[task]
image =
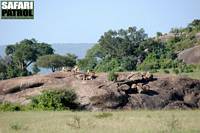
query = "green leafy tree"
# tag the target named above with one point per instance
(52, 62)
(195, 23)
(26, 52)
(70, 60)
(158, 34)
(56, 62)
(122, 43)
(3, 67)
(107, 65)
(93, 56)
(119, 50)
(87, 63)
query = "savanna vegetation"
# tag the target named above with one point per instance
(25, 57)
(122, 50)
(52, 99)
(117, 50)
(56, 62)
(140, 121)
(131, 49)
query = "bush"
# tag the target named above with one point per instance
(108, 65)
(55, 100)
(112, 76)
(6, 106)
(15, 126)
(176, 71)
(49, 100)
(103, 115)
(153, 71)
(166, 71)
(187, 68)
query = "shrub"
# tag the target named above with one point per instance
(112, 76)
(108, 65)
(187, 69)
(153, 71)
(15, 126)
(176, 71)
(55, 100)
(6, 106)
(166, 71)
(103, 115)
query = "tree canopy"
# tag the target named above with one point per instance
(20, 56)
(27, 51)
(56, 62)
(131, 49)
(120, 49)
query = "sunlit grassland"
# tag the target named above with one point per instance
(193, 75)
(141, 121)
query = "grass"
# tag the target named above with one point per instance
(144, 121)
(103, 115)
(193, 75)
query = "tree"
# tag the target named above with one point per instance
(158, 34)
(116, 50)
(10, 49)
(56, 62)
(26, 52)
(175, 30)
(3, 67)
(91, 59)
(122, 43)
(87, 63)
(51, 61)
(70, 60)
(195, 23)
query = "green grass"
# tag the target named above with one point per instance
(194, 75)
(143, 121)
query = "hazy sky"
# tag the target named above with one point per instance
(79, 21)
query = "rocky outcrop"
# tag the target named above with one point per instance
(130, 91)
(191, 55)
(166, 37)
(197, 36)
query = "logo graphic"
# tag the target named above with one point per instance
(17, 9)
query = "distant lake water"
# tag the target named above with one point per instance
(78, 49)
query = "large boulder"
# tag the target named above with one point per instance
(198, 36)
(143, 92)
(191, 55)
